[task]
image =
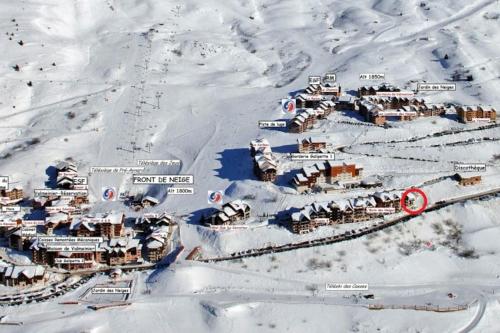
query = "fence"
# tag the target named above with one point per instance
(433, 308)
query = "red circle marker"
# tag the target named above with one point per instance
(403, 199)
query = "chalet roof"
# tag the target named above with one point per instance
(363, 202)
(29, 271)
(330, 85)
(300, 177)
(309, 170)
(476, 107)
(151, 199)
(121, 244)
(41, 200)
(17, 231)
(382, 86)
(161, 232)
(300, 118)
(385, 196)
(261, 146)
(321, 206)
(307, 211)
(228, 211)
(62, 201)
(435, 105)
(91, 220)
(312, 139)
(65, 179)
(222, 216)
(64, 165)
(320, 166)
(346, 99)
(154, 220)
(369, 105)
(342, 204)
(155, 243)
(312, 97)
(266, 162)
(297, 216)
(11, 216)
(56, 218)
(237, 205)
(259, 142)
(309, 112)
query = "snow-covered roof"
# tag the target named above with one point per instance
(363, 202)
(342, 204)
(56, 218)
(90, 221)
(259, 143)
(154, 220)
(29, 271)
(223, 216)
(64, 165)
(150, 199)
(154, 244)
(321, 206)
(120, 244)
(300, 177)
(385, 196)
(346, 99)
(238, 205)
(228, 211)
(312, 139)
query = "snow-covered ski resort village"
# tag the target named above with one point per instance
(249, 166)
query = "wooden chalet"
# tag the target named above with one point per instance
(149, 222)
(65, 182)
(314, 95)
(14, 194)
(10, 221)
(369, 111)
(230, 213)
(55, 221)
(158, 244)
(478, 113)
(311, 145)
(260, 146)
(149, 201)
(326, 173)
(17, 240)
(108, 225)
(359, 206)
(122, 251)
(345, 102)
(22, 275)
(467, 181)
(66, 167)
(325, 109)
(372, 90)
(41, 254)
(265, 164)
(395, 102)
(327, 89)
(346, 211)
(303, 121)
